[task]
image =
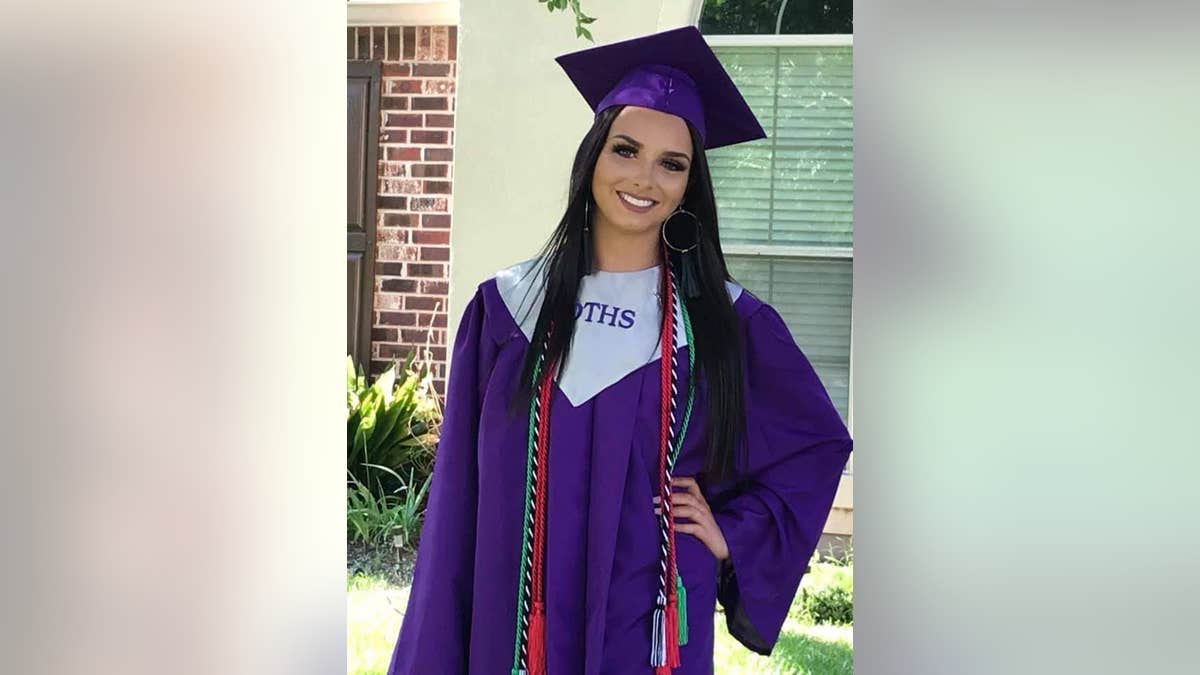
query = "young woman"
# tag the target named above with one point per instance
(630, 437)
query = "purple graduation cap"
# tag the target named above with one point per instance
(675, 72)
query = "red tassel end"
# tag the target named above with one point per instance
(537, 640)
(672, 634)
(662, 670)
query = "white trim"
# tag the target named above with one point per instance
(402, 13)
(776, 251)
(831, 40)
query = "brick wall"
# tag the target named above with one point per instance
(416, 173)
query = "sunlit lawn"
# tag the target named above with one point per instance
(373, 617)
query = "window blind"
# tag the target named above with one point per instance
(795, 187)
(813, 297)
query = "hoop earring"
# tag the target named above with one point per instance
(689, 262)
(695, 240)
(586, 255)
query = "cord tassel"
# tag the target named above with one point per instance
(537, 640)
(681, 594)
(672, 634)
(658, 652)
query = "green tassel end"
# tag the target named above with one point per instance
(681, 600)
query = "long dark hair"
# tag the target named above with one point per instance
(714, 324)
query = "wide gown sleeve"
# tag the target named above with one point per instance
(796, 448)
(434, 637)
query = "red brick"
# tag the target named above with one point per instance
(384, 334)
(397, 70)
(430, 103)
(424, 302)
(405, 186)
(393, 102)
(404, 154)
(407, 86)
(424, 52)
(402, 120)
(391, 202)
(398, 352)
(431, 237)
(435, 220)
(431, 70)
(415, 336)
(391, 269)
(391, 235)
(391, 91)
(452, 44)
(398, 285)
(393, 46)
(438, 43)
(437, 187)
(400, 220)
(433, 288)
(444, 121)
(377, 44)
(439, 320)
(428, 204)
(439, 154)
(422, 136)
(409, 42)
(392, 169)
(438, 87)
(430, 170)
(398, 318)
(421, 270)
(435, 253)
(393, 136)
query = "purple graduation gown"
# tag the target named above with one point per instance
(602, 534)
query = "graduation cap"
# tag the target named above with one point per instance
(675, 72)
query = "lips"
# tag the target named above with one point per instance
(636, 204)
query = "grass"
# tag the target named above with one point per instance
(374, 604)
(373, 613)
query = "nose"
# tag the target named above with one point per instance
(643, 177)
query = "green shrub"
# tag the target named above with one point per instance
(826, 595)
(391, 427)
(378, 521)
(830, 604)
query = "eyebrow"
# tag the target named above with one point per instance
(635, 143)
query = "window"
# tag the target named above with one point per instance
(786, 203)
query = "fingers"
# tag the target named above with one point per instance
(688, 483)
(685, 511)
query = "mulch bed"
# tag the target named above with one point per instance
(395, 565)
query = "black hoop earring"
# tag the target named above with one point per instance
(687, 258)
(695, 239)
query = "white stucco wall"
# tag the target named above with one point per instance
(518, 121)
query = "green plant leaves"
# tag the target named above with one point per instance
(391, 435)
(581, 19)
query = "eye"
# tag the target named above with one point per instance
(674, 166)
(622, 149)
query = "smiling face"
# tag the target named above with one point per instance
(642, 172)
